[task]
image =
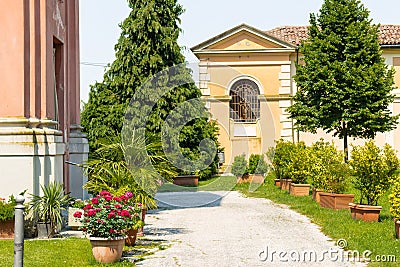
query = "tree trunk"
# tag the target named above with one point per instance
(345, 145)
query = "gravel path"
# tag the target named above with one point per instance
(235, 231)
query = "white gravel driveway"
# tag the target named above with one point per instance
(236, 231)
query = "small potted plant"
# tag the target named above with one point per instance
(7, 218)
(394, 199)
(373, 169)
(257, 168)
(48, 209)
(239, 167)
(330, 176)
(298, 170)
(76, 205)
(106, 219)
(280, 158)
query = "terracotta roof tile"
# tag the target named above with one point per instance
(389, 34)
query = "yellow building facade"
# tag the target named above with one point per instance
(246, 79)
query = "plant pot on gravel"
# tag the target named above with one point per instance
(374, 170)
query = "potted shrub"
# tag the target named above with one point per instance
(106, 219)
(239, 167)
(330, 176)
(298, 170)
(7, 218)
(280, 158)
(48, 208)
(257, 168)
(373, 169)
(119, 168)
(394, 199)
(76, 205)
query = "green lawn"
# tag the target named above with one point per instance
(378, 237)
(71, 252)
(218, 183)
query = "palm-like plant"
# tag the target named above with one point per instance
(139, 167)
(48, 206)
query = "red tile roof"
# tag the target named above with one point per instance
(389, 34)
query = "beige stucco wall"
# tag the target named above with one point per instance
(273, 71)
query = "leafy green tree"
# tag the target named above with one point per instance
(344, 86)
(146, 46)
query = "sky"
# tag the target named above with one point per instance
(202, 20)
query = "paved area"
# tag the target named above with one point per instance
(235, 231)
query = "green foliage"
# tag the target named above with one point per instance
(77, 203)
(394, 199)
(329, 172)
(7, 209)
(239, 165)
(280, 157)
(299, 165)
(374, 170)
(110, 216)
(48, 206)
(344, 84)
(109, 169)
(257, 164)
(147, 45)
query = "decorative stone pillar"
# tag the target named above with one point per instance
(285, 102)
(78, 154)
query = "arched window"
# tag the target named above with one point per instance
(244, 103)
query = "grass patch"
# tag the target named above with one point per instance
(378, 237)
(73, 252)
(217, 183)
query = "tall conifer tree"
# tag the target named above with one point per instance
(147, 45)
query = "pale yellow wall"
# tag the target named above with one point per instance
(244, 41)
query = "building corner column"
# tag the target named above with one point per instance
(78, 154)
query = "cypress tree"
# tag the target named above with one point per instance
(147, 45)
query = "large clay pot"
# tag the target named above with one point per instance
(315, 194)
(335, 201)
(186, 180)
(107, 250)
(131, 237)
(366, 213)
(299, 189)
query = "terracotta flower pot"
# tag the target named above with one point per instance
(397, 228)
(141, 229)
(299, 189)
(7, 229)
(131, 237)
(335, 201)
(74, 223)
(190, 180)
(285, 184)
(107, 250)
(366, 213)
(277, 182)
(315, 194)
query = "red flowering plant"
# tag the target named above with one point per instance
(110, 216)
